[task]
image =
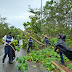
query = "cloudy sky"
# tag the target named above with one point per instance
(16, 11)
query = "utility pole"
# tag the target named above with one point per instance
(41, 16)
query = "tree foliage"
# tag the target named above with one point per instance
(57, 18)
(5, 29)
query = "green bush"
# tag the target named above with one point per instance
(22, 65)
(1, 41)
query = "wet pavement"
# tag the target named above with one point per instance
(6, 67)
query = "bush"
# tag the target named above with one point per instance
(1, 41)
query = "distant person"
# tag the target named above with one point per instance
(7, 39)
(30, 44)
(62, 48)
(46, 41)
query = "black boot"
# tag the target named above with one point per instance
(4, 58)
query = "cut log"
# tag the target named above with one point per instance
(61, 67)
(57, 66)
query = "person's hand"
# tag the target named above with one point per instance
(57, 50)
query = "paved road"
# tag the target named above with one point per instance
(6, 67)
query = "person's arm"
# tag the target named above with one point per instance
(56, 44)
(3, 41)
(59, 42)
(57, 50)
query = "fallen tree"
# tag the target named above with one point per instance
(32, 37)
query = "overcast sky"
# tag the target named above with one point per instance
(16, 11)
